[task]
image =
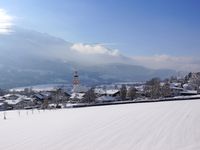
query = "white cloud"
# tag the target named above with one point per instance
(179, 63)
(93, 49)
(170, 62)
(5, 22)
(90, 54)
(103, 54)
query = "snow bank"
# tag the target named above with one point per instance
(147, 126)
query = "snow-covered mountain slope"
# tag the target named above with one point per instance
(148, 126)
(30, 58)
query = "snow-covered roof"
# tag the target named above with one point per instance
(52, 105)
(46, 94)
(15, 98)
(99, 91)
(19, 99)
(162, 83)
(174, 84)
(140, 88)
(39, 96)
(13, 102)
(185, 85)
(27, 99)
(177, 88)
(77, 95)
(12, 96)
(112, 91)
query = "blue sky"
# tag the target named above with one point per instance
(135, 27)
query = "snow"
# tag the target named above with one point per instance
(105, 99)
(77, 96)
(177, 88)
(13, 102)
(146, 126)
(99, 91)
(13, 99)
(189, 92)
(39, 96)
(175, 84)
(187, 97)
(111, 91)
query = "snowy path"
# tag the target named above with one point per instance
(148, 126)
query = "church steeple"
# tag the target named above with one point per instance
(76, 80)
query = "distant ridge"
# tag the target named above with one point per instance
(30, 58)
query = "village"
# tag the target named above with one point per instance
(80, 95)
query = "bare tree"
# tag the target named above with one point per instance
(173, 79)
(132, 92)
(165, 90)
(58, 96)
(45, 103)
(123, 92)
(195, 80)
(90, 96)
(153, 87)
(2, 92)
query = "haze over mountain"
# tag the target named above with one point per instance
(125, 40)
(29, 57)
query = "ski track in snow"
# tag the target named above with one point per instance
(147, 126)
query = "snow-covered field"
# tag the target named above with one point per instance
(148, 126)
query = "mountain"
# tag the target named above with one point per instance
(28, 57)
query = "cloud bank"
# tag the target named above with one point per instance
(25, 43)
(93, 49)
(5, 22)
(179, 63)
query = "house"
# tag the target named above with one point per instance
(106, 95)
(38, 97)
(66, 94)
(113, 93)
(189, 86)
(42, 96)
(60, 94)
(99, 92)
(77, 96)
(176, 89)
(2, 106)
(11, 96)
(19, 102)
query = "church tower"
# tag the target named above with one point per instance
(76, 81)
(77, 88)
